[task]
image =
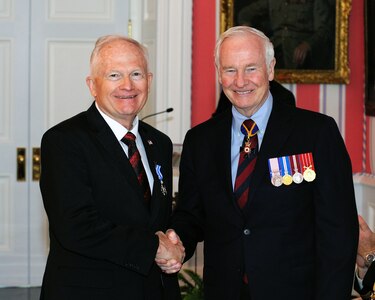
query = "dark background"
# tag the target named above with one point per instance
(370, 56)
(263, 25)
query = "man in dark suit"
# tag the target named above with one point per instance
(105, 223)
(289, 229)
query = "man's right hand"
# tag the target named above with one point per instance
(171, 252)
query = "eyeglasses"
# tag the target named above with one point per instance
(133, 76)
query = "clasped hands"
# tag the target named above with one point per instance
(171, 252)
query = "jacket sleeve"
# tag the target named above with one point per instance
(335, 213)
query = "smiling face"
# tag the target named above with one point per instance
(119, 81)
(243, 72)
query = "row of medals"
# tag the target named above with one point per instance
(287, 179)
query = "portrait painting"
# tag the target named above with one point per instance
(309, 36)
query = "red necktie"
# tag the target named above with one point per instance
(136, 162)
(246, 163)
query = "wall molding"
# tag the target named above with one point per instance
(173, 66)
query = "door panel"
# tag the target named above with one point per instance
(44, 60)
(14, 125)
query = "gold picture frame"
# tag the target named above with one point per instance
(338, 74)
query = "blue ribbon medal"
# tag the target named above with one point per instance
(160, 176)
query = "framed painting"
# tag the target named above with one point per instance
(370, 57)
(310, 37)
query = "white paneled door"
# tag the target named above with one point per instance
(14, 126)
(44, 52)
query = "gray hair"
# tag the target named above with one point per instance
(101, 42)
(245, 31)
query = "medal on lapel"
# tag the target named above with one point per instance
(308, 165)
(286, 170)
(297, 176)
(160, 176)
(293, 168)
(276, 178)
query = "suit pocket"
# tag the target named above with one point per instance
(84, 277)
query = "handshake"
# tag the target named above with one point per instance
(171, 253)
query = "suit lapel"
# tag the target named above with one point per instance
(152, 158)
(115, 154)
(221, 149)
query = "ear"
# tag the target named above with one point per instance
(91, 84)
(149, 80)
(218, 74)
(271, 70)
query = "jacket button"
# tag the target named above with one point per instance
(246, 231)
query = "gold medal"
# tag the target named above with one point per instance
(309, 175)
(285, 167)
(287, 179)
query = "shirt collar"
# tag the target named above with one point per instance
(118, 129)
(260, 117)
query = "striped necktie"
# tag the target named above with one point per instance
(136, 162)
(246, 163)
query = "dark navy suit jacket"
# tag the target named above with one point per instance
(294, 242)
(102, 235)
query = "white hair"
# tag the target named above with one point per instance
(245, 31)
